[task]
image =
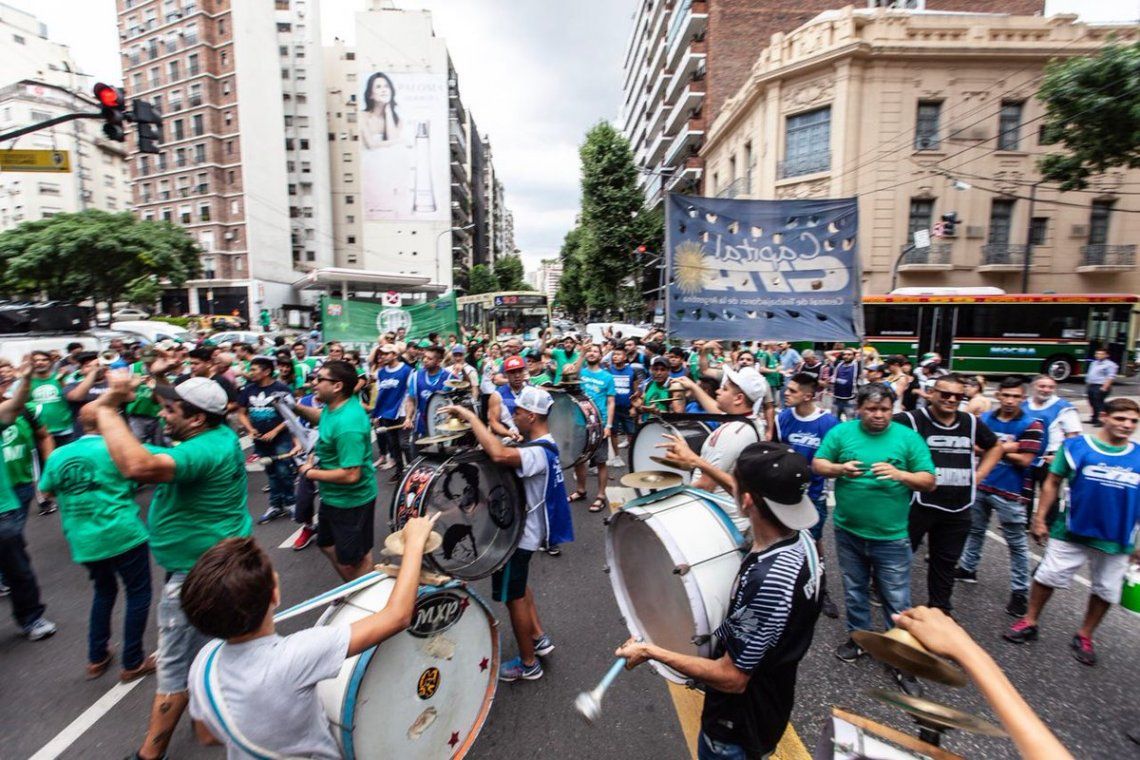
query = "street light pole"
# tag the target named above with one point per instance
(448, 231)
(1029, 240)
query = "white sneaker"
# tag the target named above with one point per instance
(40, 628)
(388, 464)
(615, 462)
(623, 443)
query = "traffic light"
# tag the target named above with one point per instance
(149, 123)
(114, 109)
(948, 222)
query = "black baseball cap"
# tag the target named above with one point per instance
(659, 361)
(781, 476)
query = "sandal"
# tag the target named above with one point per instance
(599, 504)
(577, 496)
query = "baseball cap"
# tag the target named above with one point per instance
(659, 361)
(512, 363)
(534, 400)
(533, 355)
(200, 392)
(781, 476)
(747, 380)
(876, 367)
(458, 349)
(387, 348)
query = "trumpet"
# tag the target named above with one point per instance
(108, 357)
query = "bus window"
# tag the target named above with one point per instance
(888, 319)
(1062, 321)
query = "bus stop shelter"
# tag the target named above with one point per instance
(362, 281)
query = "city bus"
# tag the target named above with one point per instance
(514, 313)
(1053, 334)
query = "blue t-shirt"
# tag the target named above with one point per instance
(598, 384)
(805, 434)
(623, 385)
(391, 388)
(258, 403)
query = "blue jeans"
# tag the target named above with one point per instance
(711, 749)
(25, 493)
(133, 566)
(16, 567)
(888, 562)
(280, 472)
(844, 408)
(1013, 517)
(821, 510)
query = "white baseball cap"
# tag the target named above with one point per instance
(748, 380)
(201, 392)
(534, 400)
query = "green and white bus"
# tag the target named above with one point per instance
(505, 314)
(1028, 334)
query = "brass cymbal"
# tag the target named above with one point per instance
(938, 715)
(667, 463)
(453, 425)
(394, 543)
(434, 439)
(651, 479)
(901, 650)
(457, 384)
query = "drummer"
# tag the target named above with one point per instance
(501, 403)
(548, 520)
(775, 601)
(459, 369)
(424, 382)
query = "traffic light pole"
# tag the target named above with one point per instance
(49, 123)
(898, 262)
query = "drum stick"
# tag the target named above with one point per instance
(332, 595)
(589, 703)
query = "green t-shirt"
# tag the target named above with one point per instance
(47, 404)
(311, 362)
(8, 500)
(561, 359)
(656, 397)
(145, 403)
(346, 441)
(542, 378)
(19, 443)
(97, 509)
(769, 361)
(874, 509)
(1061, 468)
(205, 502)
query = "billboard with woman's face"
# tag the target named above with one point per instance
(404, 147)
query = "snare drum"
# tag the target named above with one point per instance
(575, 426)
(653, 432)
(425, 692)
(439, 400)
(481, 505)
(672, 557)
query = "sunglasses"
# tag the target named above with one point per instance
(950, 395)
(320, 379)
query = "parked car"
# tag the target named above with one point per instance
(238, 336)
(129, 313)
(152, 330)
(15, 347)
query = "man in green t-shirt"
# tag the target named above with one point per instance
(200, 499)
(654, 396)
(46, 401)
(143, 412)
(567, 357)
(877, 465)
(101, 523)
(342, 464)
(536, 369)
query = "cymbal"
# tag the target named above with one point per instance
(938, 715)
(901, 650)
(457, 384)
(434, 439)
(667, 463)
(394, 543)
(651, 479)
(387, 428)
(453, 425)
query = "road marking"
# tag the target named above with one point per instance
(688, 704)
(1036, 557)
(85, 721)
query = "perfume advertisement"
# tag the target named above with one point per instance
(404, 154)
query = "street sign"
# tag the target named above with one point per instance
(922, 238)
(35, 161)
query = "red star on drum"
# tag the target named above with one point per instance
(454, 739)
(483, 665)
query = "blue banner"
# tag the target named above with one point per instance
(763, 270)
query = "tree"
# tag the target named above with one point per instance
(482, 280)
(571, 298)
(509, 273)
(1092, 106)
(98, 255)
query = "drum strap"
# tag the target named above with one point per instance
(212, 688)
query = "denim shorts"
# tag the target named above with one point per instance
(178, 641)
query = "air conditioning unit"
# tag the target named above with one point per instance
(228, 236)
(1079, 231)
(975, 233)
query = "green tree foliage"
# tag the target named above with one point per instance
(98, 255)
(482, 280)
(1092, 106)
(571, 298)
(509, 273)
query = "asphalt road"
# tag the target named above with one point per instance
(43, 692)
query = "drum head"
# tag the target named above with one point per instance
(481, 505)
(570, 428)
(425, 692)
(437, 401)
(645, 440)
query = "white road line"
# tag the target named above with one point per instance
(288, 543)
(1037, 558)
(80, 725)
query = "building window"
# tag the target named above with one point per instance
(184, 215)
(197, 124)
(347, 157)
(350, 199)
(926, 126)
(921, 217)
(1009, 124)
(310, 255)
(292, 189)
(208, 265)
(350, 219)
(200, 153)
(1001, 220)
(1099, 217)
(304, 144)
(19, 40)
(350, 56)
(228, 118)
(225, 87)
(179, 129)
(204, 212)
(283, 50)
(351, 239)
(1038, 230)
(349, 177)
(288, 143)
(283, 27)
(807, 143)
(306, 167)
(284, 73)
(224, 58)
(173, 69)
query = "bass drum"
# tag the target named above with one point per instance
(672, 557)
(439, 400)
(575, 426)
(481, 505)
(653, 432)
(425, 692)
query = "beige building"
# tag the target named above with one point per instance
(923, 113)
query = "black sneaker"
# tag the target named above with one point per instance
(966, 576)
(829, 609)
(553, 550)
(1018, 605)
(849, 651)
(908, 684)
(47, 507)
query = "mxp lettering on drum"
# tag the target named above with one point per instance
(435, 613)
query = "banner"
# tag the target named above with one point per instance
(360, 323)
(762, 270)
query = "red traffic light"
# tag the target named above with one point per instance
(641, 249)
(108, 96)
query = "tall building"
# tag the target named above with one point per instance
(684, 58)
(244, 165)
(547, 277)
(838, 108)
(27, 53)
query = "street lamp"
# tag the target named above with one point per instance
(448, 231)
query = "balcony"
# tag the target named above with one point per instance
(686, 104)
(459, 195)
(813, 163)
(1107, 258)
(687, 177)
(459, 171)
(657, 89)
(1002, 257)
(458, 141)
(689, 20)
(690, 69)
(657, 148)
(936, 258)
(741, 186)
(687, 141)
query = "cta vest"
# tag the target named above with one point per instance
(1104, 491)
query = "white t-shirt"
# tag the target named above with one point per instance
(269, 688)
(1067, 422)
(722, 448)
(533, 472)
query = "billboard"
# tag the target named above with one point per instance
(360, 323)
(404, 156)
(763, 270)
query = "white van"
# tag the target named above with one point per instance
(594, 330)
(152, 330)
(15, 347)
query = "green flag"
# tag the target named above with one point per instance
(360, 322)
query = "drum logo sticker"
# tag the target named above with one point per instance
(436, 613)
(412, 489)
(428, 683)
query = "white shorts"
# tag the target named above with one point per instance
(1063, 559)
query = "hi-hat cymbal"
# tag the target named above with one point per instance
(667, 463)
(901, 650)
(434, 439)
(453, 425)
(457, 384)
(938, 715)
(651, 479)
(394, 543)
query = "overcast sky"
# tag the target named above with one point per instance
(535, 74)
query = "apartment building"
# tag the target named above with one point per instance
(684, 58)
(546, 278)
(244, 165)
(918, 115)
